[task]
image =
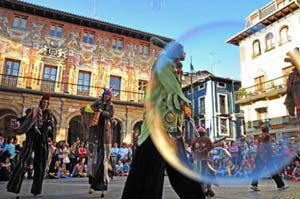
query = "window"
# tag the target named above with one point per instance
(202, 105)
(11, 73)
(144, 49)
(284, 35)
(223, 104)
(224, 126)
(221, 85)
(201, 87)
(20, 22)
(141, 89)
(261, 113)
(115, 85)
(56, 30)
(256, 48)
(117, 43)
(260, 83)
(84, 80)
(49, 78)
(269, 41)
(88, 37)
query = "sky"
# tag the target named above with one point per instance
(201, 26)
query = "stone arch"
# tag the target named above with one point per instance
(75, 129)
(118, 131)
(6, 114)
(136, 130)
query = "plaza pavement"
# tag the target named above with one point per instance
(77, 188)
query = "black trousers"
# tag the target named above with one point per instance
(259, 168)
(39, 145)
(146, 177)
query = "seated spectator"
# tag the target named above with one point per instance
(79, 170)
(119, 168)
(126, 169)
(53, 171)
(64, 173)
(296, 171)
(5, 170)
(114, 154)
(30, 171)
(288, 172)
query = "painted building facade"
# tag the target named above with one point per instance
(213, 105)
(73, 58)
(270, 33)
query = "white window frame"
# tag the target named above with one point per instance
(226, 103)
(227, 126)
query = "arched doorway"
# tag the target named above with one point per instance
(117, 132)
(5, 116)
(136, 131)
(75, 130)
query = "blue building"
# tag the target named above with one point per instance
(213, 106)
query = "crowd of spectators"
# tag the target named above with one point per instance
(64, 160)
(235, 158)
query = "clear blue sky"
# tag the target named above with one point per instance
(203, 25)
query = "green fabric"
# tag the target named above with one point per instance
(166, 97)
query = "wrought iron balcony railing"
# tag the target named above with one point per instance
(273, 88)
(21, 82)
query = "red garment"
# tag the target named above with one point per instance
(81, 152)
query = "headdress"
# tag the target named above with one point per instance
(46, 96)
(107, 92)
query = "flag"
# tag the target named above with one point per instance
(191, 67)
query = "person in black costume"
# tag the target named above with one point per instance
(264, 160)
(146, 176)
(36, 124)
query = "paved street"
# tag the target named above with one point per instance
(77, 189)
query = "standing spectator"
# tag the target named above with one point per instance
(123, 152)
(114, 155)
(72, 156)
(201, 146)
(82, 151)
(36, 124)
(234, 151)
(11, 148)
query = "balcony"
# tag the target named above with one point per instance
(271, 89)
(27, 84)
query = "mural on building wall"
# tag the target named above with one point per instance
(32, 48)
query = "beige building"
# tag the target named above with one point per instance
(73, 58)
(270, 33)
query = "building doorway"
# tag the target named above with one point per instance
(75, 130)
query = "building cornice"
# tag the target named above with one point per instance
(265, 21)
(54, 14)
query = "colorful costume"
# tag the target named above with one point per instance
(146, 177)
(36, 125)
(100, 138)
